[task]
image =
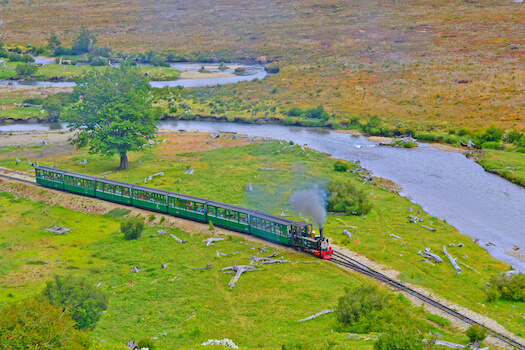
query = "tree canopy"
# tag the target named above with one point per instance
(115, 114)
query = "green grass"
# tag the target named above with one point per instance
(190, 305)
(222, 175)
(508, 164)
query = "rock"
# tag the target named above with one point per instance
(410, 209)
(132, 344)
(490, 244)
(516, 247)
(352, 335)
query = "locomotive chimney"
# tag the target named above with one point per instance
(321, 233)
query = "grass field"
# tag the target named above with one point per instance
(428, 65)
(221, 173)
(189, 305)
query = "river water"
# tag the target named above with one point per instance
(251, 72)
(446, 184)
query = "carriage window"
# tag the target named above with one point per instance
(190, 205)
(107, 188)
(99, 186)
(259, 223)
(212, 210)
(125, 191)
(234, 216)
(220, 213)
(200, 207)
(243, 218)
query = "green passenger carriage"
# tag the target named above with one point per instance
(233, 217)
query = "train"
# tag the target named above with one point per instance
(296, 234)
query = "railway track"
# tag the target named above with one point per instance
(353, 264)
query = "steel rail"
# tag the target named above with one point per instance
(349, 262)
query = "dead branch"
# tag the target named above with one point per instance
(177, 238)
(316, 315)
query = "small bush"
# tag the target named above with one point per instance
(493, 295)
(151, 217)
(162, 219)
(491, 145)
(360, 303)
(341, 166)
(401, 339)
(345, 197)
(146, 343)
(132, 227)
(36, 324)
(211, 226)
(511, 288)
(476, 333)
(83, 301)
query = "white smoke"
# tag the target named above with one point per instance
(312, 203)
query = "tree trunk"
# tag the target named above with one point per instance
(124, 163)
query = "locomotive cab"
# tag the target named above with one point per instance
(305, 238)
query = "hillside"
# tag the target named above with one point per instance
(434, 66)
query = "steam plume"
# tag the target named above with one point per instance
(312, 203)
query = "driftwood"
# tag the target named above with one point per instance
(284, 214)
(164, 266)
(105, 173)
(58, 230)
(135, 269)
(224, 342)
(209, 241)
(161, 232)
(249, 187)
(316, 315)
(131, 344)
(177, 238)
(239, 270)
(82, 162)
(415, 219)
(219, 254)
(190, 171)
(452, 261)
(347, 233)
(396, 237)
(157, 174)
(272, 169)
(428, 254)
(268, 260)
(428, 228)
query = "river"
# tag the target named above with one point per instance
(251, 72)
(446, 184)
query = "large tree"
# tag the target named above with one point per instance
(115, 114)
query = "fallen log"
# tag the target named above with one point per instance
(432, 256)
(239, 270)
(190, 171)
(415, 219)
(316, 315)
(209, 241)
(178, 239)
(452, 261)
(57, 230)
(272, 169)
(268, 260)
(135, 269)
(428, 228)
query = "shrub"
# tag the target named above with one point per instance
(34, 100)
(36, 324)
(132, 227)
(345, 197)
(491, 145)
(401, 339)
(25, 69)
(492, 134)
(83, 301)
(510, 287)
(146, 343)
(341, 166)
(162, 219)
(294, 112)
(493, 295)
(360, 303)
(151, 217)
(476, 333)
(211, 226)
